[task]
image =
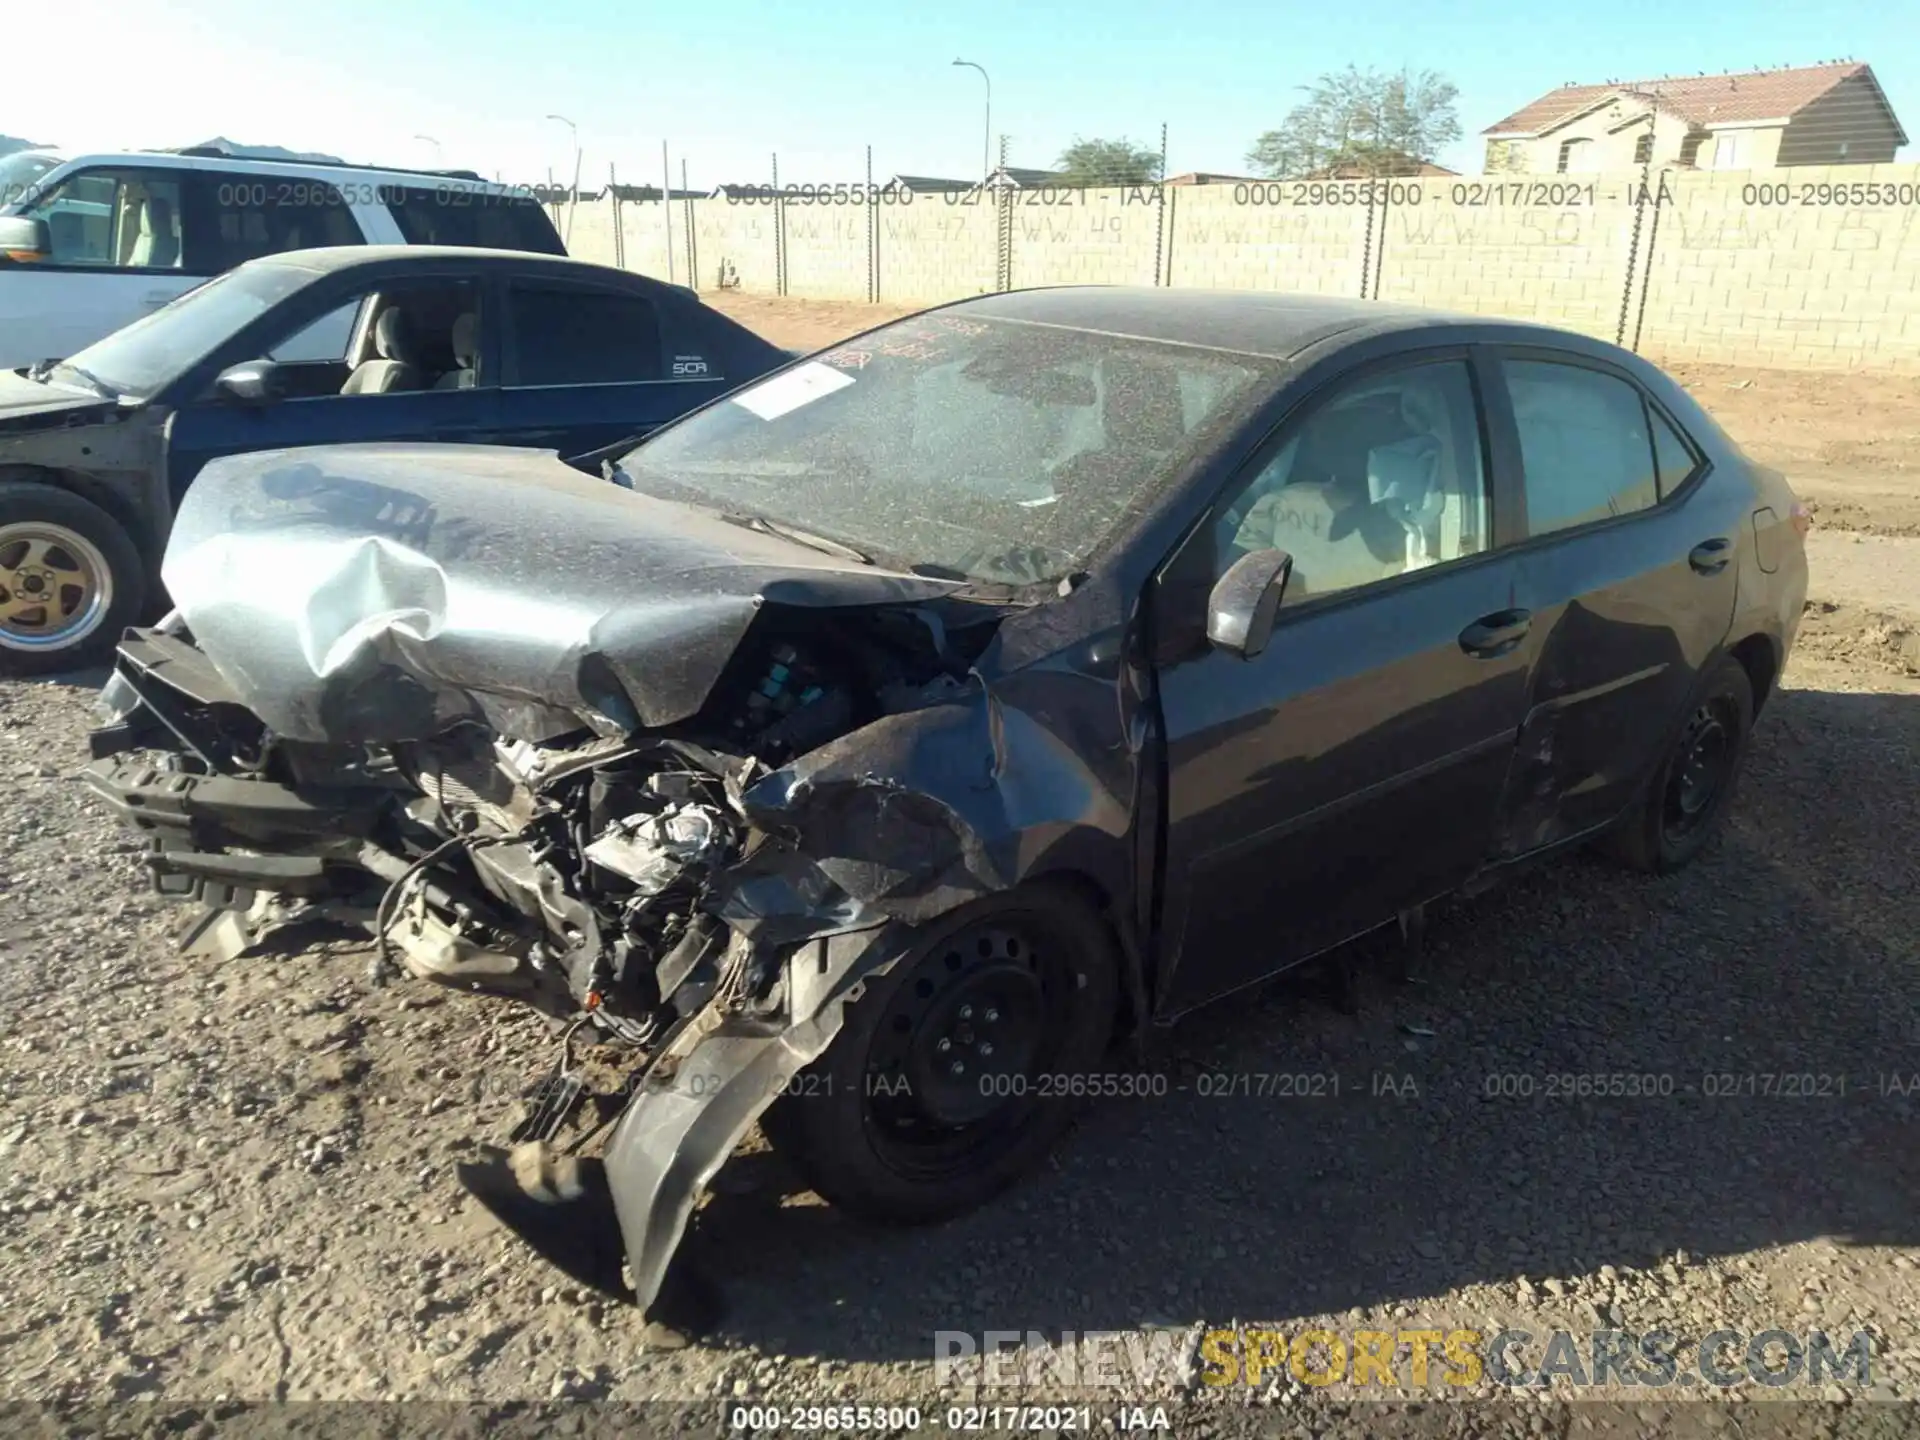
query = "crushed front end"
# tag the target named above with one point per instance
(663, 830)
(619, 884)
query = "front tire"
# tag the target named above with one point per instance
(1687, 798)
(71, 580)
(944, 1086)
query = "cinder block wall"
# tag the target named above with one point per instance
(932, 250)
(1217, 240)
(1563, 265)
(1805, 268)
(1083, 237)
(1806, 284)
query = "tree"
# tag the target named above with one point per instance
(1107, 162)
(1378, 124)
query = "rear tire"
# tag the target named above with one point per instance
(929, 1101)
(1687, 798)
(71, 580)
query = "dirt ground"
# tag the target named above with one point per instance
(234, 1182)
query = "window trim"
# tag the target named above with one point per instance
(174, 176)
(1492, 460)
(1500, 355)
(1701, 461)
(509, 332)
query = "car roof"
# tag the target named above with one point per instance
(1270, 324)
(327, 259)
(306, 169)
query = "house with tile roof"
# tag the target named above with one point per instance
(1833, 114)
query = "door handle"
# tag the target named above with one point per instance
(156, 297)
(1492, 636)
(1710, 557)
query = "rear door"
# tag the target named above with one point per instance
(1627, 570)
(589, 365)
(120, 250)
(1355, 767)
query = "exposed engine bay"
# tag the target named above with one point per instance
(591, 876)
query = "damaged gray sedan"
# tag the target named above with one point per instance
(873, 742)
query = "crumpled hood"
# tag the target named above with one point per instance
(364, 593)
(27, 404)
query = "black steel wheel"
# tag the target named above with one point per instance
(1690, 790)
(947, 1081)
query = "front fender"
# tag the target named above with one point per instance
(719, 1079)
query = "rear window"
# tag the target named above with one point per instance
(461, 215)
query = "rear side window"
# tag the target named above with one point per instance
(582, 337)
(460, 215)
(1583, 443)
(1671, 457)
(233, 218)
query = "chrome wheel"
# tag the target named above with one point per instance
(55, 586)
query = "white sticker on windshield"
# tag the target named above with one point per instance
(799, 386)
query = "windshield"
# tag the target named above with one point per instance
(154, 349)
(988, 449)
(18, 173)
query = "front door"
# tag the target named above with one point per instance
(422, 376)
(1629, 572)
(1354, 767)
(119, 252)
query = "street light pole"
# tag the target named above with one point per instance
(436, 147)
(986, 144)
(573, 196)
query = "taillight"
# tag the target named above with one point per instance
(1800, 517)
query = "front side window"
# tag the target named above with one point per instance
(1383, 478)
(1583, 444)
(985, 449)
(115, 219)
(423, 335)
(583, 337)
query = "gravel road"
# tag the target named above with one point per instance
(235, 1180)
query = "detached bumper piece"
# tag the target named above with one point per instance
(215, 835)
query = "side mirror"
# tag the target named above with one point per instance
(24, 239)
(1244, 601)
(252, 382)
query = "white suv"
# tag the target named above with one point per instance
(98, 241)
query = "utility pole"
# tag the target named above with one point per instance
(986, 144)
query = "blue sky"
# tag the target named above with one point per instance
(727, 84)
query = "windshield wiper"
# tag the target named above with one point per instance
(799, 536)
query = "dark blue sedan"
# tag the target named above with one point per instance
(311, 347)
